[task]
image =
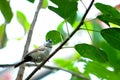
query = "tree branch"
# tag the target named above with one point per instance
(73, 73)
(56, 50)
(51, 68)
(22, 68)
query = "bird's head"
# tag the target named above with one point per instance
(48, 43)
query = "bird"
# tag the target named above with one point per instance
(37, 55)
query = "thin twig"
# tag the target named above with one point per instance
(57, 49)
(51, 68)
(90, 30)
(22, 68)
(84, 22)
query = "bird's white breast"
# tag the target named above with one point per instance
(41, 54)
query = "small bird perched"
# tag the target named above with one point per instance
(38, 54)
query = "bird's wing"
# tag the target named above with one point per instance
(41, 48)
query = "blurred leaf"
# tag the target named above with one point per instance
(6, 10)
(91, 52)
(32, 1)
(54, 35)
(112, 36)
(100, 42)
(100, 71)
(74, 19)
(61, 30)
(76, 78)
(67, 64)
(3, 36)
(23, 21)
(97, 38)
(113, 55)
(109, 14)
(65, 8)
(44, 4)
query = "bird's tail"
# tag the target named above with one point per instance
(18, 64)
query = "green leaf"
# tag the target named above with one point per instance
(107, 10)
(112, 36)
(107, 19)
(76, 78)
(32, 1)
(67, 64)
(65, 8)
(101, 71)
(91, 52)
(54, 35)
(3, 36)
(23, 21)
(6, 10)
(109, 14)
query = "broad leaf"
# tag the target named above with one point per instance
(109, 14)
(112, 36)
(6, 10)
(91, 52)
(3, 37)
(107, 19)
(65, 8)
(107, 10)
(54, 35)
(22, 20)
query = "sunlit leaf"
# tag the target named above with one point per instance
(6, 10)
(112, 36)
(22, 20)
(3, 37)
(54, 35)
(75, 78)
(44, 4)
(67, 64)
(91, 52)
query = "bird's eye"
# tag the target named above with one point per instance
(49, 40)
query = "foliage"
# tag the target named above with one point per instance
(23, 21)
(101, 53)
